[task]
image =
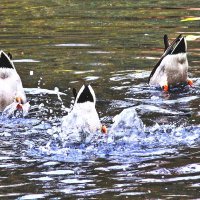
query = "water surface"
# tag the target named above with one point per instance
(58, 45)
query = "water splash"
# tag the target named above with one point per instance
(127, 126)
(81, 124)
(126, 137)
(150, 146)
(13, 111)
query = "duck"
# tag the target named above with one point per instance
(172, 68)
(82, 121)
(11, 88)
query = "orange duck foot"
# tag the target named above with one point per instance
(190, 82)
(19, 103)
(165, 88)
(103, 129)
(19, 106)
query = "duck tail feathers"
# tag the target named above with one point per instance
(172, 48)
(5, 60)
(181, 46)
(166, 42)
(86, 93)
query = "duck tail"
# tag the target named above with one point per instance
(181, 46)
(166, 42)
(169, 49)
(5, 60)
(86, 93)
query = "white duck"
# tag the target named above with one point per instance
(83, 120)
(172, 68)
(11, 89)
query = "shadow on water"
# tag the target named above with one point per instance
(112, 45)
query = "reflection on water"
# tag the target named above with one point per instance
(112, 45)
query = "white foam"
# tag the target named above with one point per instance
(42, 91)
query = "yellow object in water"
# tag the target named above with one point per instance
(190, 19)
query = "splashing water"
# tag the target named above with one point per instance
(13, 110)
(127, 136)
(81, 124)
(140, 147)
(127, 125)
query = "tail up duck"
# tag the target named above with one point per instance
(172, 68)
(11, 89)
(83, 120)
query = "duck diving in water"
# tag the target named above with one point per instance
(172, 68)
(12, 95)
(82, 122)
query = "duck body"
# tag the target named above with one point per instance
(10, 83)
(172, 68)
(10, 87)
(81, 124)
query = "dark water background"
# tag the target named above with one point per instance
(112, 45)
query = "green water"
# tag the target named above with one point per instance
(113, 45)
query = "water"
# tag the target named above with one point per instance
(58, 45)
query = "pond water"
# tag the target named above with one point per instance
(113, 45)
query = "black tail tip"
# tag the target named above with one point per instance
(10, 55)
(74, 92)
(166, 41)
(85, 94)
(181, 46)
(5, 60)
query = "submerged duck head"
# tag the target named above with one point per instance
(172, 68)
(82, 122)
